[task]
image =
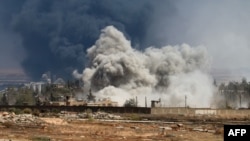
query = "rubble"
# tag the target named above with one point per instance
(86, 115)
(30, 120)
(8, 119)
(103, 115)
(57, 127)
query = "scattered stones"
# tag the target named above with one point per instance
(211, 131)
(163, 129)
(119, 127)
(134, 127)
(180, 125)
(74, 115)
(21, 120)
(199, 129)
(166, 128)
(5, 113)
(205, 130)
(96, 115)
(103, 115)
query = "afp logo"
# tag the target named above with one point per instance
(236, 132)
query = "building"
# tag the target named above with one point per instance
(35, 86)
(106, 102)
(156, 103)
(59, 83)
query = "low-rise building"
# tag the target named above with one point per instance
(106, 102)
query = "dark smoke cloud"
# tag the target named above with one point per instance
(55, 34)
(9, 42)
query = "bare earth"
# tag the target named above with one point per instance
(57, 129)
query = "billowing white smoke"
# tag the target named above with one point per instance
(76, 74)
(120, 72)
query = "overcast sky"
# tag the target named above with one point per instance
(53, 35)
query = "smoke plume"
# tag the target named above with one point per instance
(118, 71)
(56, 34)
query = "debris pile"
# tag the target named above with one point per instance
(27, 120)
(103, 115)
(180, 127)
(94, 115)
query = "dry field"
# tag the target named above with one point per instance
(58, 129)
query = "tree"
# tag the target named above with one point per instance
(25, 97)
(244, 85)
(222, 88)
(244, 81)
(4, 99)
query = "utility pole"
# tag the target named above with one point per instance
(185, 101)
(240, 100)
(136, 102)
(145, 101)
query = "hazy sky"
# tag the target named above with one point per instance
(53, 35)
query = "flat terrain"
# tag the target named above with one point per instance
(60, 129)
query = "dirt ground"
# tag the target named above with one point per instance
(57, 129)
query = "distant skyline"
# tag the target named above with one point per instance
(37, 36)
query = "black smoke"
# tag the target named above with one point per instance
(56, 33)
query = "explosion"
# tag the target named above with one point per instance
(118, 71)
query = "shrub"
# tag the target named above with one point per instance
(90, 119)
(88, 111)
(27, 111)
(18, 111)
(135, 117)
(54, 110)
(15, 110)
(36, 112)
(12, 110)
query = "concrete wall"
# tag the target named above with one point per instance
(181, 111)
(200, 111)
(224, 112)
